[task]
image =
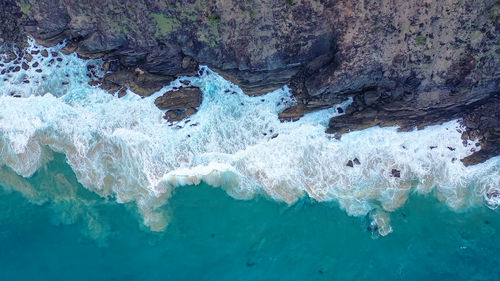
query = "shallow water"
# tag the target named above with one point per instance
(212, 236)
(96, 187)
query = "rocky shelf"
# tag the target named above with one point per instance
(405, 63)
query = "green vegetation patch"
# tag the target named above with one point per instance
(26, 8)
(421, 40)
(164, 25)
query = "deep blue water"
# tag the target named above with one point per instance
(212, 236)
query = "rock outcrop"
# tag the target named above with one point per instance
(180, 104)
(408, 63)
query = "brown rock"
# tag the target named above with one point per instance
(25, 66)
(182, 99)
(143, 84)
(178, 115)
(44, 53)
(69, 48)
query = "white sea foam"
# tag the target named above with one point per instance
(122, 148)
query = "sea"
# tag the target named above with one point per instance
(99, 187)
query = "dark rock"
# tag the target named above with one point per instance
(396, 173)
(356, 161)
(44, 53)
(25, 66)
(349, 164)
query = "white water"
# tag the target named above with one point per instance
(122, 148)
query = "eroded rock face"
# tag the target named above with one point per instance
(258, 44)
(407, 63)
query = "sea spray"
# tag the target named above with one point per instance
(123, 149)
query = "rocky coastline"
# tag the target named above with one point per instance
(405, 63)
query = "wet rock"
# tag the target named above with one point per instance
(141, 83)
(35, 64)
(10, 56)
(69, 48)
(178, 115)
(396, 173)
(182, 99)
(356, 161)
(340, 110)
(38, 70)
(25, 66)
(94, 83)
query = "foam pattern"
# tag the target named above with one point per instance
(123, 149)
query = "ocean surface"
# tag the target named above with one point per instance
(96, 187)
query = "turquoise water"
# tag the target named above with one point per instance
(96, 187)
(212, 236)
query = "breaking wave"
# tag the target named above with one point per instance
(123, 149)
